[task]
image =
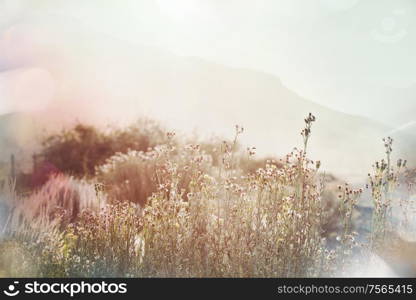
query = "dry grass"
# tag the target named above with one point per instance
(190, 211)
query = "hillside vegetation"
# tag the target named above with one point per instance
(147, 203)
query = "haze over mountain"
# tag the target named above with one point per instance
(92, 77)
(395, 106)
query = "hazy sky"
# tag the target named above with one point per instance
(83, 58)
(335, 52)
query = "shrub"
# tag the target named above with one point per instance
(78, 150)
(135, 175)
(61, 198)
(128, 177)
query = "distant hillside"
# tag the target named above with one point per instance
(407, 111)
(389, 105)
(110, 80)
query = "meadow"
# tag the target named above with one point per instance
(145, 202)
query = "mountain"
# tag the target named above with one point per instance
(395, 106)
(406, 112)
(405, 132)
(101, 79)
(399, 104)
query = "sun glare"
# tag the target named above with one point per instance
(180, 10)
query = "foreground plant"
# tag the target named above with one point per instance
(180, 211)
(384, 184)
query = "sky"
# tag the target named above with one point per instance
(339, 53)
(115, 59)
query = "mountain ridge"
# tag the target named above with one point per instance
(102, 80)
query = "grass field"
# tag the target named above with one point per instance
(167, 207)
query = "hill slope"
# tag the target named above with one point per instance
(100, 79)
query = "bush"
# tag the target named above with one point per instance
(61, 199)
(135, 175)
(77, 151)
(128, 177)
